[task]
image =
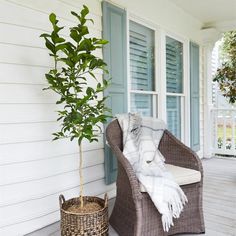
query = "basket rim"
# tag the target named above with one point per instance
(88, 213)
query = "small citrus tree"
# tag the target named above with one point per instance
(226, 74)
(74, 67)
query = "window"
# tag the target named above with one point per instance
(174, 85)
(142, 80)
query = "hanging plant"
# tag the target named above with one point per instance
(226, 74)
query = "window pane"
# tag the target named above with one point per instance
(141, 57)
(174, 66)
(174, 115)
(141, 103)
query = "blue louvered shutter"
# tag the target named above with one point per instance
(115, 55)
(194, 97)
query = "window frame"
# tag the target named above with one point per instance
(184, 96)
(159, 105)
(155, 92)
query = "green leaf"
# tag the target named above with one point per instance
(45, 35)
(75, 14)
(89, 91)
(83, 30)
(52, 18)
(56, 39)
(74, 35)
(102, 41)
(60, 47)
(50, 46)
(85, 11)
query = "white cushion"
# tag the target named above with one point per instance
(181, 175)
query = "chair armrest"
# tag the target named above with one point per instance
(176, 153)
(130, 174)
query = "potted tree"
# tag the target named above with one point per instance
(73, 78)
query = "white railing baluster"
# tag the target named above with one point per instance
(221, 119)
(216, 129)
(224, 132)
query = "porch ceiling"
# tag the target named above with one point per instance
(220, 14)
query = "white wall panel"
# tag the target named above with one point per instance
(21, 74)
(33, 151)
(26, 93)
(30, 171)
(52, 183)
(29, 210)
(27, 113)
(33, 169)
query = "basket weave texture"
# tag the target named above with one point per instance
(84, 224)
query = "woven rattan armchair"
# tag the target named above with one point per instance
(134, 214)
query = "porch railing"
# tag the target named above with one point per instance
(223, 131)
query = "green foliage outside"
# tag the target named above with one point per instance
(226, 74)
(75, 67)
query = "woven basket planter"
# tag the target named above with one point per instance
(84, 224)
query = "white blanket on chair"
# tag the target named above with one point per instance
(141, 137)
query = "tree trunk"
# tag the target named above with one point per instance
(81, 175)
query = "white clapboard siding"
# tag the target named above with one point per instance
(29, 74)
(94, 6)
(51, 182)
(20, 35)
(26, 93)
(61, 9)
(21, 74)
(46, 168)
(24, 113)
(23, 152)
(33, 169)
(29, 132)
(17, 54)
(35, 208)
(34, 224)
(22, 11)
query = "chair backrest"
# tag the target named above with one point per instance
(114, 134)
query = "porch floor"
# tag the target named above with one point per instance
(219, 200)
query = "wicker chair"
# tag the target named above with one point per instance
(134, 214)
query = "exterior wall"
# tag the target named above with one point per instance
(34, 170)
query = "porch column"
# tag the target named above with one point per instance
(210, 36)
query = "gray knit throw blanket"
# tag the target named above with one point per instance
(141, 137)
